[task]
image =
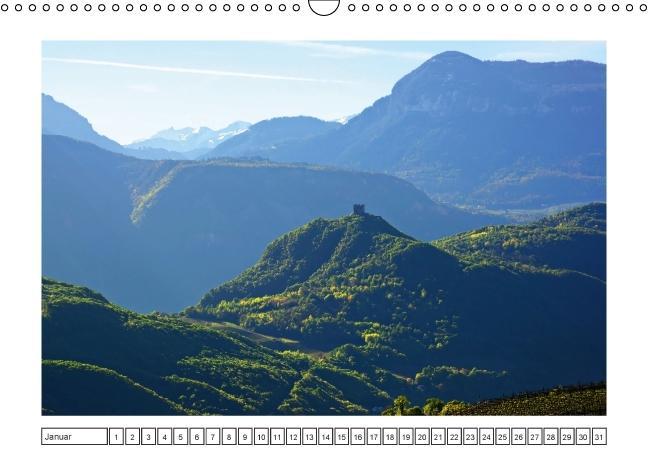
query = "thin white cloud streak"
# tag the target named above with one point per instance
(194, 71)
(339, 51)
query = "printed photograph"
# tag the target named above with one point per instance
(323, 228)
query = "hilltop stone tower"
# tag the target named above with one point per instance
(359, 209)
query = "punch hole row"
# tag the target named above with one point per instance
(351, 7)
(491, 7)
(155, 7)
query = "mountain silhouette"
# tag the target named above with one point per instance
(479, 133)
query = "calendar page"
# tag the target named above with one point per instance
(323, 226)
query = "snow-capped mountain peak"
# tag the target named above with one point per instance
(191, 141)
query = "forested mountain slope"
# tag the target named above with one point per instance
(379, 300)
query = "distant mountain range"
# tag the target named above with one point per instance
(481, 134)
(266, 136)
(188, 142)
(157, 234)
(191, 142)
(478, 133)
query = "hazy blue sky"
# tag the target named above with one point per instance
(130, 90)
